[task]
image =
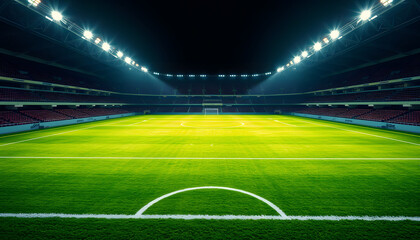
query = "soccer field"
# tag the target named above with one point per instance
(265, 176)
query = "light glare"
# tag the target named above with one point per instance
(296, 59)
(280, 69)
(56, 15)
(120, 54)
(317, 46)
(305, 54)
(365, 15)
(34, 2)
(335, 34)
(88, 34)
(106, 47)
(386, 2)
(127, 60)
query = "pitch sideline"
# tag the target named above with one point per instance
(140, 215)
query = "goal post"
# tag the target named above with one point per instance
(211, 111)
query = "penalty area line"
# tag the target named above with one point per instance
(210, 217)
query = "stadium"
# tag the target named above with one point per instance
(210, 120)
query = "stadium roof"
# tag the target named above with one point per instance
(193, 37)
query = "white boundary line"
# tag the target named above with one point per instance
(210, 217)
(203, 158)
(272, 205)
(285, 123)
(183, 124)
(137, 122)
(55, 134)
(140, 215)
(25, 140)
(398, 140)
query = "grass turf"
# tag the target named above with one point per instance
(369, 186)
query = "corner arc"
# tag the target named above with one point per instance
(272, 205)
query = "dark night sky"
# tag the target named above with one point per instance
(211, 37)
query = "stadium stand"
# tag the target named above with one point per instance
(381, 115)
(45, 115)
(411, 118)
(15, 118)
(72, 113)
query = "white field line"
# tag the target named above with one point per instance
(211, 217)
(55, 134)
(139, 214)
(183, 125)
(72, 125)
(203, 158)
(272, 205)
(398, 140)
(285, 123)
(137, 122)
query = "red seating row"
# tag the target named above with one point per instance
(381, 115)
(411, 118)
(45, 115)
(12, 117)
(33, 116)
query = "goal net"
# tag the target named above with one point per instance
(211, 111)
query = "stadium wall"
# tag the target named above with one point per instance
(42, 125)
(383, 125)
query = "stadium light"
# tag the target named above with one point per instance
(365, 15)
(326, 41)
(88, 34)
(56, 15)
(203, 75)
(386, 2)
(280, 69)
(97, 40)
(34, 3)
(334, 34)
(144, 69)
(120, 54)
(106, 47)
(180, 75)
(296, 60)
(127, 60)
(221, 75)
(317, 46)
(305, 54)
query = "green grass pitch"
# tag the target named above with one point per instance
(305, 167)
